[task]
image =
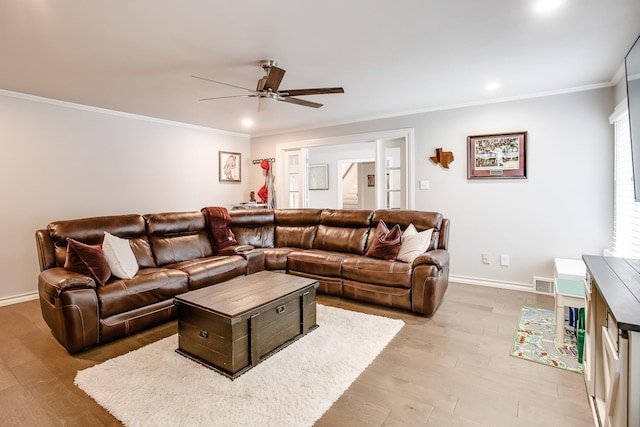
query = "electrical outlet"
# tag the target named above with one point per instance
(504, 260)
(424, 184)
(486, 258)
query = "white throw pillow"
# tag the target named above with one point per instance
(414, 243)
(120, 256)
(410, 231)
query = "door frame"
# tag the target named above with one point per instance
(379, 137)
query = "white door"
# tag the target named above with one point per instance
(392, 161)
(293, 179)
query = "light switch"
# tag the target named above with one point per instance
(424, 184)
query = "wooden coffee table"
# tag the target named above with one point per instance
(232, 326)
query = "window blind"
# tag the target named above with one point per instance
(626, 223)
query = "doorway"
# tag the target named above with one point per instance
(392, 179)
(358, 190)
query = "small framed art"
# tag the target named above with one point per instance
(229, 166)
(371, 180)
(318, 177)
(497, 156)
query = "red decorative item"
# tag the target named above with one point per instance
(263, 194)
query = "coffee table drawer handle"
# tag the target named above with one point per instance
(204, 334)
(280, 309)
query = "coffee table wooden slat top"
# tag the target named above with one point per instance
(229, 300)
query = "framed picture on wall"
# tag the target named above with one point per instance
(371, 180)
(497, 156)
(229, 166)
(318, 179)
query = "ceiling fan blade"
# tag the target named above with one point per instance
(274, 78)
(301, 102)
(261, 83)
(226, 84)
(317, 91)
(224, 97)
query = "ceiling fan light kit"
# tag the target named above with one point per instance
(267, 88)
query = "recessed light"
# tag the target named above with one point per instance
(492, 86)
(247, 122)
(543, 6)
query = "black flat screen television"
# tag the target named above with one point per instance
(632, 68)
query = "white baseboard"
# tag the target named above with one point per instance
(15, 299)
(526, 287)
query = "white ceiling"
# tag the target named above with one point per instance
(391, 57)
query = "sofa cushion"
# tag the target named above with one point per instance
(260, 236)
(341, 239)
(149, 286)
(386, 243)
(296, 227)
(377, 272)
(421, 220)
(91, 231)
(208, 271)
(88, 260)
(120, 257)
(299, 237)
(343, 230)
(317, 262)
(174, 249)
(255, 227)
(414, 243)
(177, 237)
(142, 251)
(276, 258)
(349, 218)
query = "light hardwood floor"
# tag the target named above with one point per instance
(453, 369)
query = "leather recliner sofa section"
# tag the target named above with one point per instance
(175, 254)
(329, 245)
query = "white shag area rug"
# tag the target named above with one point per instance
(155, 386)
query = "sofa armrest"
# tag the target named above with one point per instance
(437, 257)
(255, 257)
(69, 304)
(236, 250)
(54, 281)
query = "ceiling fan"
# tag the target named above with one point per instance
(268, 88)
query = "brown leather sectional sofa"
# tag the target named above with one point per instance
(175, 254)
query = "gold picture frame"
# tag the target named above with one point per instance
(230, 166)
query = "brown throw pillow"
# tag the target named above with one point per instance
(88, 260)
(386, 243)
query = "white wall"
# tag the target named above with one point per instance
(564, 208)
(61, 161)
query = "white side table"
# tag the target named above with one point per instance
(569, 289)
